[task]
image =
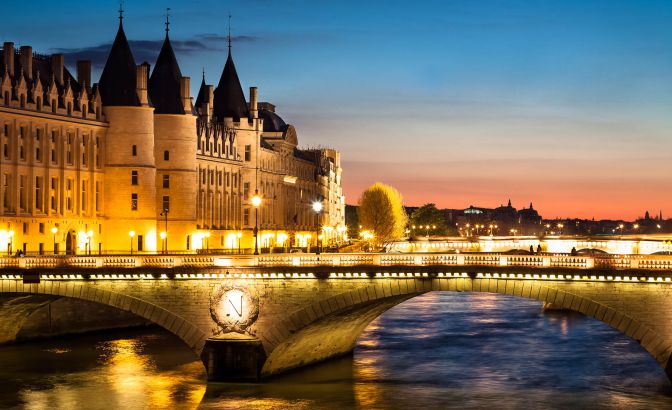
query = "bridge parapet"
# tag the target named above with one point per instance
(540, 261)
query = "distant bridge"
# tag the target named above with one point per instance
(254, 316)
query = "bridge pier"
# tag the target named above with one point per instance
(233, 359)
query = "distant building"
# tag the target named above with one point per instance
(131, 163)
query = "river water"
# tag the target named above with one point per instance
(439, 350)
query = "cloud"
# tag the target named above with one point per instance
(148, 50)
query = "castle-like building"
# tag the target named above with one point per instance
(133, 164)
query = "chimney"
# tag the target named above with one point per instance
(211, 99)
(27, 61)
(141, 83)
(253, 102)
(57, 67)
(8, 57)
(184, 91)
(84, 72)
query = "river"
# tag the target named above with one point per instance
(439, 350)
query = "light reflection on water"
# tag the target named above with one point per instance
(440, 350)
(140, 369)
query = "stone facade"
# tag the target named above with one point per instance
(131, 164)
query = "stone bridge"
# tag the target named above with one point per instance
(251, 317)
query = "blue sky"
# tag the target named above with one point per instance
(563, 103)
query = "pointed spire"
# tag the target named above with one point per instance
(167, 20)
(202, 93)
(509, 202)
(164, 84)
(118, 80)
(229, 37)
(229, 97)
(121, 11)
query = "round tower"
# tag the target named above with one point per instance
(174, 151)
(130, 171)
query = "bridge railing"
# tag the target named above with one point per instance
(643, 262)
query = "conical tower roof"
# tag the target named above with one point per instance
(118, 81)
(202, 93)
(164, 84)
(229, 98)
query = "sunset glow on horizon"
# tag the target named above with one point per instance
(562, 104)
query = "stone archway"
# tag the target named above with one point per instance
(330, 327)
(175, 324)
(70, 243)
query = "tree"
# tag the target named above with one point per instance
(428, 215)
(381, 213)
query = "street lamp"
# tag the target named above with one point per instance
(10, 248)
(256, 201)
(54, 230)
(164, 214)
(239, 235)
(207, 241)
(317, 207)
(89, 235)
(163, 236)
(132, 235)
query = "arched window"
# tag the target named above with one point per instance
(54, 106)
(22, 100)
(38, 104)
(84, 111)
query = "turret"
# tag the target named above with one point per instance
(174, 150)
(130, 173)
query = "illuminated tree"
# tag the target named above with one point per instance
(381, 214)
(428, 215)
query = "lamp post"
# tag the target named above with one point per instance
(54, 231)
(10, 248)
(164, 214)
(317, 207)
(256, 201)
(207, 241)
(89, 235)
(239, 235)
(132, 235)
(163, 236)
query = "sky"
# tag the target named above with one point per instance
(566, 104)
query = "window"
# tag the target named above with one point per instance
(134, 202)
(246, 216)
(84, 198)
(166, 181)
(38, 193)
(166, 155)
(22, 192)
(97, 152)
(166, 203)
(246, 189)
(248, 153)
(97, 198)
(38, 139)
(68, 198)
(41, 227)
(134, 150)
(25, 227)
(84, 151)
(69, 149)
(6, 179)
(134, 177)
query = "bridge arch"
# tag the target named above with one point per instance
(175, 324)
(331, 327)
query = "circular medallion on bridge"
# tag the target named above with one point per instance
(233, 309)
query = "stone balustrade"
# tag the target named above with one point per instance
(548, 261)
